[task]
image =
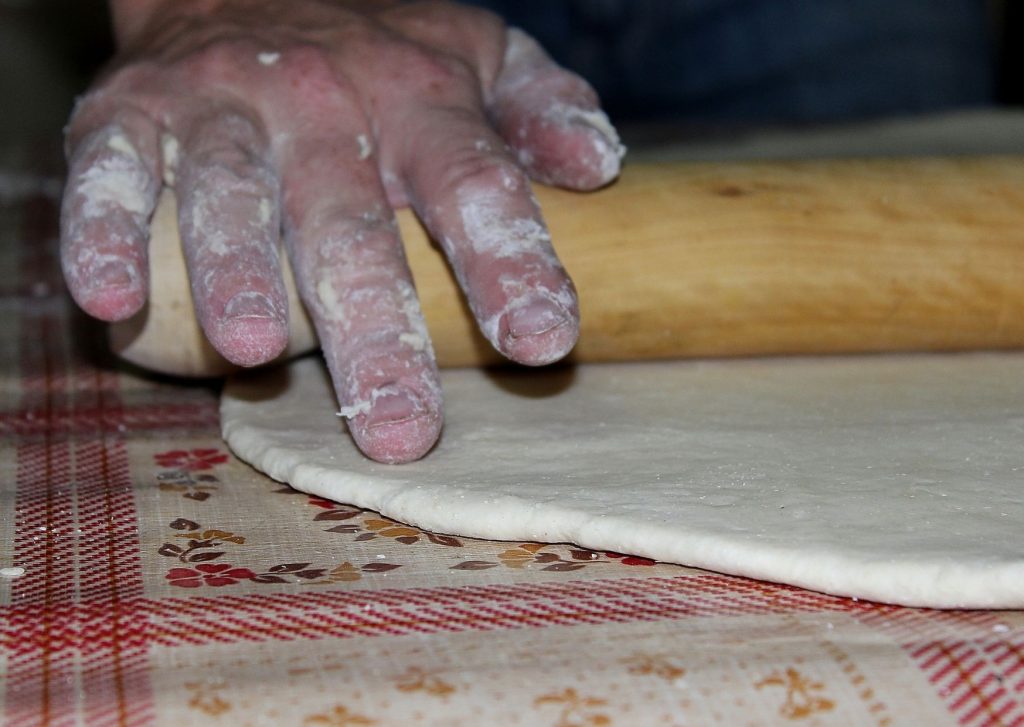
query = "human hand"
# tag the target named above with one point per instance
(319, 118)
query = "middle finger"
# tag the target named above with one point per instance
(229, 223)
(354, 279)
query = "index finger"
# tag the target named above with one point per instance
(112, 187)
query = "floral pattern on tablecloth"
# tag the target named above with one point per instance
(154, 579)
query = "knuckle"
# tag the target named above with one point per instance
(353, 243)
(107, 106)
(230, 166)
(308, 60)
(476, 173)
(222, 55)
(250, 177)
(227, 147)
(433, 74)
(313, 79)
(443, 72)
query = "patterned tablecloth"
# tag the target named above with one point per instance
(166, 582)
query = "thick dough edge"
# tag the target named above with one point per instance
(893, 478)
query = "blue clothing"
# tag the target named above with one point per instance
(768, 60)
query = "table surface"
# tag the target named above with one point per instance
(166, 582)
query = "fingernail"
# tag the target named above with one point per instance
(113, 274)
(401, 425)
(539, 316)
(394, 404)
(249, 305)
(609, 148)
(597, 121)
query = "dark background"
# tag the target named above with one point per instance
(699, 61)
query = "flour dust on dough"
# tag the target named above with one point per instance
(897, 479)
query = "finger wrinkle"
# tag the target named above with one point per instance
(417, 326)
(215, 173)
(244, 266)
(363, 406)
(116, 231)
(225, 278)
(105, 214)
(344, 235)
(366, 270)
(331, 301)
(542, 277)
(229, 149)
(217, 230)
(392, 342)
(335, 295)
(115, 181)
(491, 231)
(378, 316)
(367, 383)
(86, 271)
(373, 374)
(389, 308)
(369, 368)
(210, 238)
(373, 354)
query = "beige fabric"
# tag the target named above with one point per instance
(167, 583)
(101, 468)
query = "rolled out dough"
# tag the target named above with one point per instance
(896, 479)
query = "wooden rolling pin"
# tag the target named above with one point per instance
(681, 260)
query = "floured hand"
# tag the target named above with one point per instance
(319, 118)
